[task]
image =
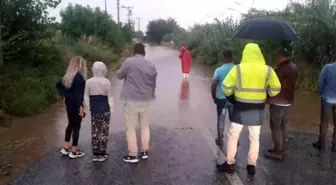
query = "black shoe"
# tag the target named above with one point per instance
(144, 155)
(250, 170)
(225, 167)
(317, 145)
(131, 159)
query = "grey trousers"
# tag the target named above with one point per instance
(326, 110)
(278, 124)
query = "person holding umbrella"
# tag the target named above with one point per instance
(248, 84)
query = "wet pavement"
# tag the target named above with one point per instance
(183, 150)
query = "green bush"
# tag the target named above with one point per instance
(29, 89)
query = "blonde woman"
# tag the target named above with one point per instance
(72, 90)
(98, 98)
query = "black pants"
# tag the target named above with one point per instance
(278, 124)
(326, 110)
(73, 127)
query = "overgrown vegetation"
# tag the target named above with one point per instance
(314, 20)
(36, 49)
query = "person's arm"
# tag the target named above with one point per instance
(122, 72)
(181, 54)
(87, 95)
(155, 79)
(230, 82)
(215, 81)
(190, 58)
(79, 88)
(321, 79)
(273, 84)
(110, 97)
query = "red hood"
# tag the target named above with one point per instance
(183, 48)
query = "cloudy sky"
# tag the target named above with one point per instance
(186, 12)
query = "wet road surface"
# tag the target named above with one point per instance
(183, 150)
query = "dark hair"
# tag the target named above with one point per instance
(283, 52)
(227, 53)
(139, 48)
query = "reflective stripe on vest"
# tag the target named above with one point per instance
(239, 79)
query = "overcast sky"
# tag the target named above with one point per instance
(186, 12)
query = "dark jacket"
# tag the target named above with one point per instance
(74, 96)
(287, 72)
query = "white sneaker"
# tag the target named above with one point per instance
(103, 157)
(65, 151)
(77, 154)
(95, 158)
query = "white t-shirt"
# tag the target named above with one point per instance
(284, 105)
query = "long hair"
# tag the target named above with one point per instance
(77, 64)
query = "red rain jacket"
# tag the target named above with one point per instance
(185, 57)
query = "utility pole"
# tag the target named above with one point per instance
(105, 7)
(129, 13)
(138, 18)
(118, 10)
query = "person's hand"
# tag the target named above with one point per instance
(214, 100)
(81, 112)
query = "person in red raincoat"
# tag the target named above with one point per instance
(185, 57)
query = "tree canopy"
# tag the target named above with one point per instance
(157, 29)
(78, 20)
(22, 24)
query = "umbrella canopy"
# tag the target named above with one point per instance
(266, 29)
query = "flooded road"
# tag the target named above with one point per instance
(183, 150)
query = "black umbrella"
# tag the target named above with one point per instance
(266, 29)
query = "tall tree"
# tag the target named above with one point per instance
(78, 20)
(158, 28)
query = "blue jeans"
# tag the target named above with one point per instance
(222, 105)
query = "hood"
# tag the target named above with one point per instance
(183, 48)
(252, 54)
(99, 69)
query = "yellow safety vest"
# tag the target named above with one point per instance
(252, 79)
